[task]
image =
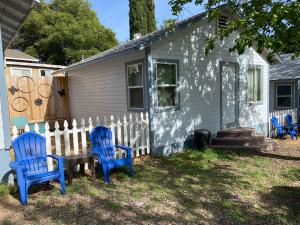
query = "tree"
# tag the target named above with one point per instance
(141, 17)
(63, 32)
(265, 24)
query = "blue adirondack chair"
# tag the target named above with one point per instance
(289, 120)
(283, 130)
(31, 163)
(102, 147)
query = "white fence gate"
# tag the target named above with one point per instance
(129, 130)
(280, 115)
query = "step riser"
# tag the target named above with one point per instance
(239, 142)
(235, 135)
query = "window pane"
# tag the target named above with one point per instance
(26, 72)
(284, 102)
(16, 72)
(46, 72)
(250, 85)
(166, 74)
(135, 75)
(166, 96)
(284, 90)
(136, 97)
(258, 80)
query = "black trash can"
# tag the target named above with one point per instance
(202, 139)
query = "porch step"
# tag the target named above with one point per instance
(239, 141)
(237, 132)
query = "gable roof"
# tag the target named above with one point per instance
(289, 69)
(19, 55)
(141, 43)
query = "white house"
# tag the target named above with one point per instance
(167, 74)
(12, 14)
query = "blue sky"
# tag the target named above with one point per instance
(114, 14)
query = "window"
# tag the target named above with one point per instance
(135, 86)
(166, 81)
(284, 95)
(255, 82)
(45, 72)
(21, 71)
(223, 22)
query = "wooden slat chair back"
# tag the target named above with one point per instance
(31, 150)
(31, 163)
(103, 148)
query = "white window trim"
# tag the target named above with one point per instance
(167, 85)
(261, 85)
(135, 87)
(22, 68)
(291, 95)
(40, 71)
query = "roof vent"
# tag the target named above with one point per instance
(137, 36)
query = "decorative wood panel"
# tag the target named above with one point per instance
(38, 98)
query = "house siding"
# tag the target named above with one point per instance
(100, 88)
(199, 86)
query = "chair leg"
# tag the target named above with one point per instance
(131, 173)
(105, 173)
(23, 193)
(62, 184)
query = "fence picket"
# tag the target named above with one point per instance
(137, 137)
(131, 142)
(119, 135)
(57, 138)
(48, 146)
(142, 134)
(67, 139)
(83, 136)
(147, 134)
(75, 137)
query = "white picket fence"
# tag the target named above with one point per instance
(280, 115)
(130, 130)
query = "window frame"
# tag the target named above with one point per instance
(261, 84)
(176, 85)
(21, 68)
(40, 71)
(135, 62)
(276, 95)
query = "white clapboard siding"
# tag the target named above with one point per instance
(132, 131)
(280, 115)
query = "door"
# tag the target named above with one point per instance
(229, 89)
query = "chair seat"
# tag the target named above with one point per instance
(117, 162)
(47, 175)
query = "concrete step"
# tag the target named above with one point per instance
(239, 141)
(236, 133)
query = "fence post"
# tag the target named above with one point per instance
(137, 135)
(131, 134)
(48, 146)
(57, 138)
(67, 139)
(147, 133)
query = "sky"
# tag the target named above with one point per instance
(114, 14)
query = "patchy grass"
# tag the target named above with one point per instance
(209, 187)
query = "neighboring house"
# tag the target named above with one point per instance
(167, 74)
(34, 94)
(284, 84)
(12, 14)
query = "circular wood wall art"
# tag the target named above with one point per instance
(45, 90)
(25, 84)
(20, 104)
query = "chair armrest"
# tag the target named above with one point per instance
(17, 166)
(128, 149)
(56, 157)
(59, 159)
